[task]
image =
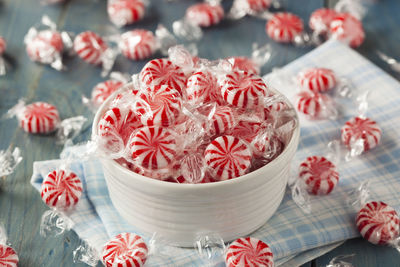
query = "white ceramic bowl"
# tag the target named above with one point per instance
(179, 212)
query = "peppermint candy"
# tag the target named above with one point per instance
(153, 148)
(317, 80)
(258, 5)
(243, 90)
(314, 105)
(222, 120)
(201, 87)
(227, 157)
(103, 90)
(244, 64)
(159, 105)
(39, 118)
(126, 249)
(61, 189)
(90, 47)
(125, 12)
(345, 27)
(3, 45)
(138, 44)
(116, 126)
(204, 14)
(8, 256)
(378, 223)
(247, 130)
(249, 252)
(284, 27)
(319, 175)
(362, 130)
(162, 71)
(46, 47)
(320, 19)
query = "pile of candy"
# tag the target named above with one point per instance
(194, 123)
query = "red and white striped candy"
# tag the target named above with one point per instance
(90, 47)
(228, 157)
(3, 45)
(201, 87)
(246, 130)
(61, 189)
(39, 117)
(125, 12)
(116, 125)
(138, 44)
(249, 252)
(8, 256)
(222, 120)
(46, 47)
(160, 105)
(315, 105)
(284, 27)
(378, 223)
(204, 14)
(258, 5)
(345, 27)
(162, 71)
(103, 90)
(243, 90)
(363, 129)
(153, 148)
(244, 64)
(124, 250)
(320, 19)
(317, 79)
(319, 175)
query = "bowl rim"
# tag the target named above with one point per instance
(176, 186)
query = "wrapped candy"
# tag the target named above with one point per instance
(316, 105)
(8, 256)
(46, 45)
(317, 80)
(222, 119)
(201, 87)
(93, 49)
(9, 160)
(320, 20)
(361, 134)
(248, 251)
(199, 15)
(284, 27)
(125, 12)
(347, 28)
(43, 118)
(3, 46)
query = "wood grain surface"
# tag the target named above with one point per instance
(20, 205)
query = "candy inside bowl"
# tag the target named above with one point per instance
(231, 202)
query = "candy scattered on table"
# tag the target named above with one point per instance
(162, 71)
(90, 47)
(248, 251)
(228, 157)
(61, 189)
(243, 90)
(8, 256)
(283, 27)
(361, 132)
(378, 223)
(258, 5)
(320, 19)
(319, 175)
(204, 14)
(126, 249)
(138, 44)
(317, 80)
(103, 90)
(345, 27)
(38, 118)
(315, 105)
(125, 12)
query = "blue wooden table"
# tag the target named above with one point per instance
(20, 205)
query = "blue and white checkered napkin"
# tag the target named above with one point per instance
(290, 232)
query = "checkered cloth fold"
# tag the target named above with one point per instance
(295, 237)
